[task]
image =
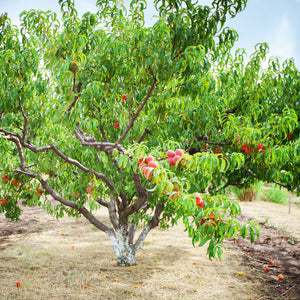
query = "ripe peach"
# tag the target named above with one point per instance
(199, 200)
(142, 166)
(152, 164)
(179, 152)
(170, 153)
(149, 158)
(171, 162)
(172, 197)
(148, 172)
(176, 158)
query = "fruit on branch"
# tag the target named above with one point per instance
(116, 125)
(212, 216)
(218, 150)
(149, 158)
(39, 191)
(175, 187)
(289, 136)
(76, 194)
(179, 152)
(152, 164)
(244, 147)
(74, 66)
(15, 182)
(148, 172)
(170, 153)
(142, 166)
(124, 97)
(3, 202)
(5, 178)
(202, 222)
(199, 200)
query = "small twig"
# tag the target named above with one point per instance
(146, 131)
(25, 120)
(78, 91)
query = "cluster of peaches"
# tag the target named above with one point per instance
(249, 148)
(148, 164)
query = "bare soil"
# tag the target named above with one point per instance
(69, 259)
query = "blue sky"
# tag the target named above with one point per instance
(276, 22)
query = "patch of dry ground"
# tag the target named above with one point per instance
(69, 259)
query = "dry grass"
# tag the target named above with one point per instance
(168, 267)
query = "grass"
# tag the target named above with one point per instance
(265, 192)
(168, 267)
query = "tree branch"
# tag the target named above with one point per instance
(79, 85)
(19, 141)
(25, 120)
(153, 223)
(90, 141)
(81, 210)
(131, 122)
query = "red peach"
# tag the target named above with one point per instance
(142, 166)
(170, 153)
(244, 146)
(149, 158)
(124, 97)
(175, 159)
(179, 152)
(152, 164)
(171, 162)
(199, 201)
(148, 172)
(172, 197)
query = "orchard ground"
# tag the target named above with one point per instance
(69, 259)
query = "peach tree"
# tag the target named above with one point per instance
(150, 123)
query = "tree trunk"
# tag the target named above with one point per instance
(124, 250)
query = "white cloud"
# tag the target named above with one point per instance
(282, 40)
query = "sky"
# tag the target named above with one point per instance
(276, 22)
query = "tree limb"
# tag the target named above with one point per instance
(131, 122)
(81, 210)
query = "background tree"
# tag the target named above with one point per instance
(150, 123)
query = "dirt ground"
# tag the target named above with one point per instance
(69, 259)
